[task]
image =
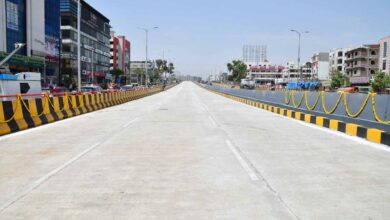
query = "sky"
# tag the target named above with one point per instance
(201, 36)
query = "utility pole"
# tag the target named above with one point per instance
(299, 50)
(146, 52)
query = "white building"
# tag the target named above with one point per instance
(269, 74)
(320, 66)
(266, 73)
(337, 60)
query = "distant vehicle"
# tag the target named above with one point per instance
(114, 87)
(91, 89)
(247, 84)
(365, 89)
(54, 89)
(21, 83)
(127, 87)
(353, 89)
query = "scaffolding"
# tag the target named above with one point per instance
(255, 54)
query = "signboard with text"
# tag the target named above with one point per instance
(12, 16)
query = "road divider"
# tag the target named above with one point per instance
(371, 134)
(23, 113)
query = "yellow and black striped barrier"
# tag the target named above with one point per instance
(371, 134)
(21, 114)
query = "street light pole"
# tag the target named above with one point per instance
(79, 45)
(299, 50)
(92, 72)
(146, 52)
(146, 61)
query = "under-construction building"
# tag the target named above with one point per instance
(254, 54)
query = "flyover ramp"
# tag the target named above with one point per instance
(190, 154)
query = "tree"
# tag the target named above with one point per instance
(238, 69)
(337, 80)
(162, 68)
(116, 73)
(170, 68)
(381, 81)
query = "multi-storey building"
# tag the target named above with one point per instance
(361, 63)
(320, 66)
(268, 74)
(384, 55)
(265, 73)
(95, 43)
(337, 60)
(294, 74)
(37, 24)
(120, 55)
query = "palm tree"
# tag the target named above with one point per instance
(238, 69)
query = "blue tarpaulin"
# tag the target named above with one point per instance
(8, 77)
(303, 86)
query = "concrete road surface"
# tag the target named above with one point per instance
(190, 154)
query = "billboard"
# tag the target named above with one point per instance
(52, 49)
(12, 16)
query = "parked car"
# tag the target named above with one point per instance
(365, 89)
(353, 89)
(91, 89)
(114, 87)
(127, 87)
(54, 89)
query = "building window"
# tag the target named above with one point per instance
(373, 53)
(340, 54)
(372, 62)
(384, 65)
(384, 49)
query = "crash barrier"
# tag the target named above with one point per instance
(25, 112)
(371, 134)
(370, 98)
(368, 110)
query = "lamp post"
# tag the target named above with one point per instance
(92, 65)
(79, 45)
(299, 50)
(18, 46)
(146, 51)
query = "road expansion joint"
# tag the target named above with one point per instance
(254, 174)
